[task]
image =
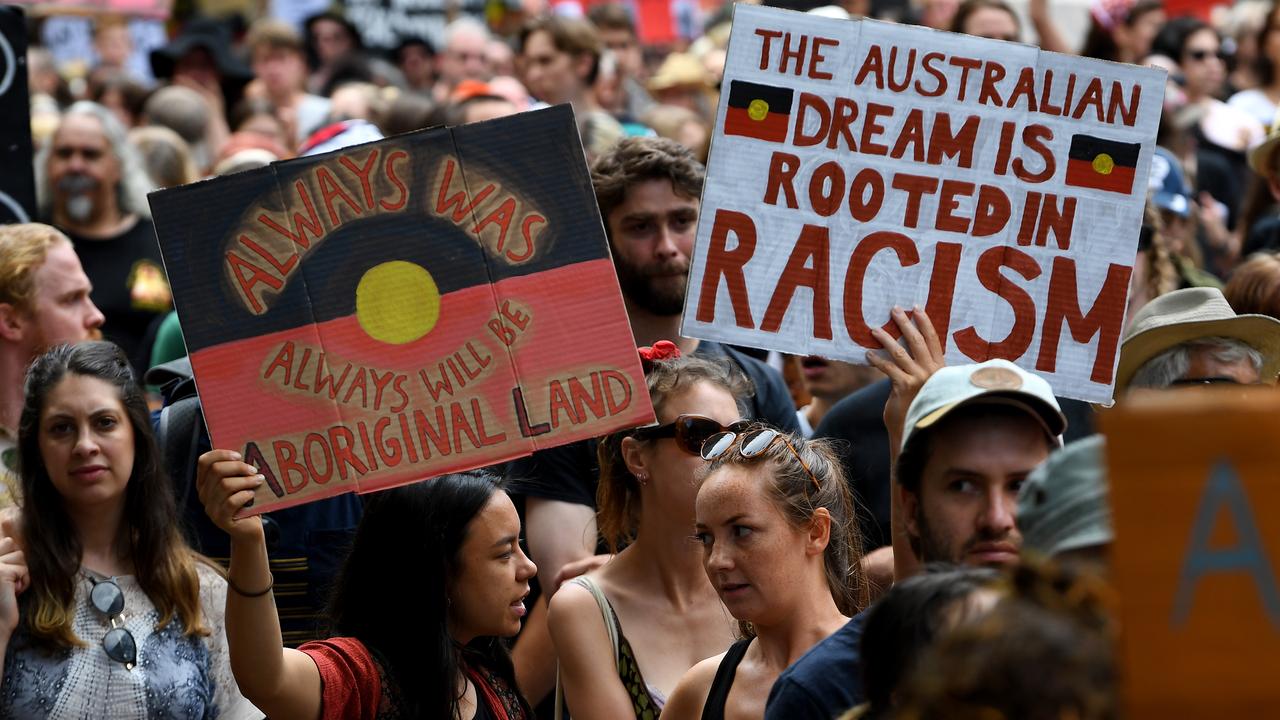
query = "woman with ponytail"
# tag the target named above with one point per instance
(626, 632)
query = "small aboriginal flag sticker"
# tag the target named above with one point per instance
(1103, 164)
(758, 111)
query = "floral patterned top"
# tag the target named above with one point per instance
(177, 677)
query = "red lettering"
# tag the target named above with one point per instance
(809, 101)
(458, 201)
(914, 186)
(946, 220)
(782, 175)
(341, 440)
(815, 57)
(308, 445)
(809, 265)
(363, 172)
(238, 266)
(286, 460)
(992, 74)
(728, 264)
(861, 207)
(390, 169)
(1016, 342)
(388, 448)
(768, 36)
(854, 322)
(872, 128)
(1104, 319)
(826, 188)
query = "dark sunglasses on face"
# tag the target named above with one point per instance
(108, 599)
(1202, 55)
(689, 431)
(1217, 380)
(752, 444)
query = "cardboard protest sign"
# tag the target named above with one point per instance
(17, 183)
(428, 303)
(384, 23)
(860, 165)
(1197, 546)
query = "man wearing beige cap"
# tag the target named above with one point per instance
(972, 435)
(1193, 337)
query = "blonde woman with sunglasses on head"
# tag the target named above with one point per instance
(626, 632)
(780, 545)
(105, 612)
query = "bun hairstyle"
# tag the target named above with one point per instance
(798, 496)
(618, 492)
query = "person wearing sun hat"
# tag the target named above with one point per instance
(202, 55)
(1063, 511)
(1192, 336)
(987, 425)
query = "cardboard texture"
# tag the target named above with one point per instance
(429, 303)
(857, 165)
(17, 182)
(1193, 490)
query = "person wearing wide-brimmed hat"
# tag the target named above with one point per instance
(201, 58)
(1192, 336)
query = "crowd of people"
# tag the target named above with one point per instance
(795, 537)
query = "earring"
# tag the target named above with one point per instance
(643, 479)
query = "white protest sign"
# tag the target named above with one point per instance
(860, 165)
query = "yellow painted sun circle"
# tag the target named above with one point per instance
(758, 109)
(397, 302)
(1103, 164)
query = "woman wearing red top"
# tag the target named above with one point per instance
(435, 576)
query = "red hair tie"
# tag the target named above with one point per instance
(660, 351)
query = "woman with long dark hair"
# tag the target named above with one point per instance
(780, 544)
(435, 577)
(118, 616)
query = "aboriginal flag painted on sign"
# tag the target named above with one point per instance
(398, 310)
(758, 111)
(1095, 162)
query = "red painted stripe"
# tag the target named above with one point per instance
(772, 128)
(1081, 174)
(571, 332)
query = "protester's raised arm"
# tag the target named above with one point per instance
(908, 366)
(281, 682)
(1047, 35)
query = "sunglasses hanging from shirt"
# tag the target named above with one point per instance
(108, 599)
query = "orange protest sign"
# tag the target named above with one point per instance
(1193, 486)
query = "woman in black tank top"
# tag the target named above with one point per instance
(781, 546)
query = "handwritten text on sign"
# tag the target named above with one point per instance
(1192, 486)
(402, 309)
(861, 165)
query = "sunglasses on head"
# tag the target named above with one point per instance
(108, 599)
(689, 431)
(751, 444)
